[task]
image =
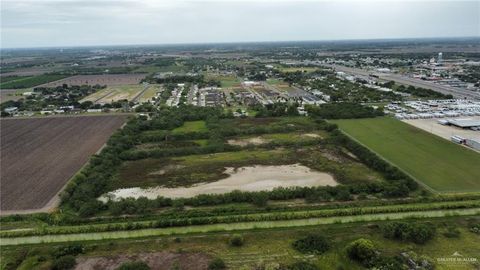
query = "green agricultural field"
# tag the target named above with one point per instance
(436, 162)
(28, 81)
(191, 126)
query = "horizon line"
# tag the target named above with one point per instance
(235, 42)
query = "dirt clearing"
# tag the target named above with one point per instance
(247, 141)
(158, 260)
(39, 155)
(250, 178)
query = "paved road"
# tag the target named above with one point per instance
(455, 92)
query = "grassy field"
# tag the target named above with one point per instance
(290, 137)
(294, 69)
(293, 147)
(191, 126)
(28, 81)
(192, 169)
(436, 162)
(115, 93)
(296, 122)
(149, 93)
(225, 80)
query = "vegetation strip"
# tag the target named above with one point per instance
(287, 215)
(232, 227)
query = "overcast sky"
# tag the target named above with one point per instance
(39, 23)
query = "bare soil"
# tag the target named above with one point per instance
(39, 155)
(251, 178)
(312, 135)
(247, 141)
(158, 260)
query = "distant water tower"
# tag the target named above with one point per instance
(440, 59)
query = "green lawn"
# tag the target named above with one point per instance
(438, 163)
(191, 126)
(274, 81)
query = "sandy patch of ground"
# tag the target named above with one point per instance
(167, 168)
(251, 178)
(311, 135)
(431, 125)
(331, 157)
(247, 141)
(158, 260)
(350, 154)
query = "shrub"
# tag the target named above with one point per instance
(316, 244)
(64, 263)
(387, 263)
(134, 266)
(361, 250)
(216, 264)
(236, 240)
(260, 199)
(72, 249)
(417, 233)
(421, 233)
(302, 266)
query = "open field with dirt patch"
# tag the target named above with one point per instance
(438, 163)
(158, 260)
(116, 93)
(277, 138)
(39, 155)
(208, 171)
(251, 178)
(11, 94)
(105, 79)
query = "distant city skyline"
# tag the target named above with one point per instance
(56, 23)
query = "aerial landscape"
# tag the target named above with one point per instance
(217, 135)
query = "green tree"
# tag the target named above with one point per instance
(64, 263)
(236, 240)
(313, 243)
(361, 250)
(217, 264)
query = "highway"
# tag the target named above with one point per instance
(455, 92)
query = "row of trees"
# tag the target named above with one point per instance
(343, 110)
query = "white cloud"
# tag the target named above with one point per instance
(30, 23)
